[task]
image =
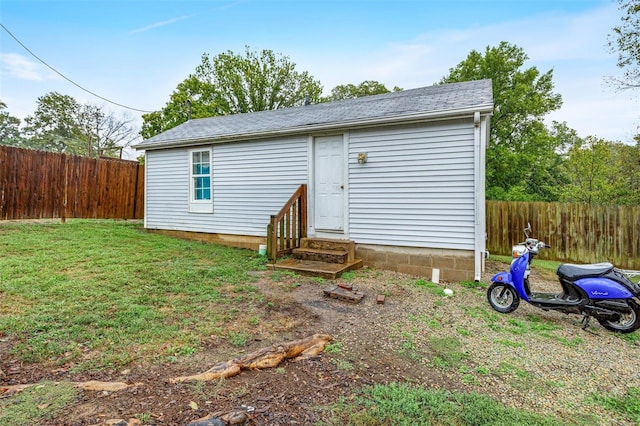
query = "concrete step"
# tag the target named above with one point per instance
(319, 255)
(313, 268)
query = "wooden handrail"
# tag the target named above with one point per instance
(289, 226)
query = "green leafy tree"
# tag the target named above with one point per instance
(61, 124)
(628, 156)
(10, 133)
(231, 83)
(53, 126)
(625, 40)
(351, 91)
(602, 172)
(519, 141)
(192, 94)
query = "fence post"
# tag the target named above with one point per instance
(65, 189)
(135, 192)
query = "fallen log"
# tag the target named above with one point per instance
(268, 357)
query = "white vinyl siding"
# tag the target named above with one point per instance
(417, 187)
(251, 181)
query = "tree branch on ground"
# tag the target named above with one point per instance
(264, 358)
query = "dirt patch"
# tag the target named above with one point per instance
(542, 361)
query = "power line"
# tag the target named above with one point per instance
(65, 77)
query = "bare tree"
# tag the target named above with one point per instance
(625, 41)
(107, 133)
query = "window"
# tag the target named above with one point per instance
(200, 200)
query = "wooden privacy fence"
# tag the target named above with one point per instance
(576, 232)
(38, 184)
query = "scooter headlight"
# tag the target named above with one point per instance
(518, 251)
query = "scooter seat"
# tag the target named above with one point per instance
(574, 272)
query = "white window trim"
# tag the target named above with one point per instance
(200, 206)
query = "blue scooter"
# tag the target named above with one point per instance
(599, 290)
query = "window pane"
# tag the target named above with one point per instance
(202, 188)
(196, 189)
(200, 163)
(196, 162)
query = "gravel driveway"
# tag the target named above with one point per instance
(529, 359)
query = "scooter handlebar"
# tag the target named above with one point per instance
(542, 244)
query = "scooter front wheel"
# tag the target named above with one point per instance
(628, 322)
(503, 298)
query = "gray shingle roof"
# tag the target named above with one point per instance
(445, 99)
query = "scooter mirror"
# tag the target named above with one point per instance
(527, 230)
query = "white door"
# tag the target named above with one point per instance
(329, 183)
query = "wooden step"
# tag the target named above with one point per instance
(329, 256)
(313, 268)
(328, 244)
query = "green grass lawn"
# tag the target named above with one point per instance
(93, 294)
(96, 294)
(407, 405)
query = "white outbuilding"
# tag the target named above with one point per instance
(401, 175)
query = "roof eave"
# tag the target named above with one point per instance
(486, 109)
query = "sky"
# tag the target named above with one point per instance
(135, 52)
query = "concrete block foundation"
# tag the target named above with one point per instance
(454, 265)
